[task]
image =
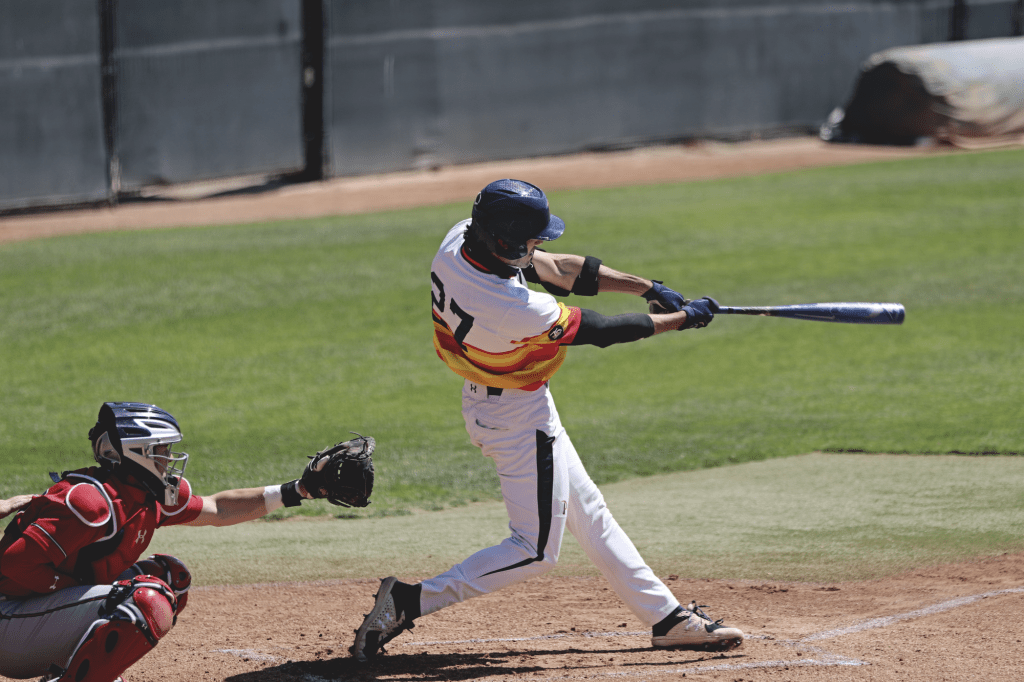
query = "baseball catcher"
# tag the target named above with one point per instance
(77, 600)
(343, 473)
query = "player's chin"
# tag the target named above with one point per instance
(523, 262)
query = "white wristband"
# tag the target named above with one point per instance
(272, 498)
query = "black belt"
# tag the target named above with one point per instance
(491, 390)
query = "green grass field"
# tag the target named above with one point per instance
(818, 517)
(270, 341)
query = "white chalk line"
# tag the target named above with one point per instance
(251, 654)
(821, 657)
(926, 611)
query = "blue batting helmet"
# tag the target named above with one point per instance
(507, 213)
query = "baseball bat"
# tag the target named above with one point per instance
(850, 313)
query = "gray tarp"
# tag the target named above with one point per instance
(967, 93)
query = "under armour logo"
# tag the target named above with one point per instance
(56, 579)
(141, 537)
(472, 387)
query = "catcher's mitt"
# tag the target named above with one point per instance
(343, 473)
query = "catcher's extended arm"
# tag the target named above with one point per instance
(343, 473)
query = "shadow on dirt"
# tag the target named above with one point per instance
(459, 666)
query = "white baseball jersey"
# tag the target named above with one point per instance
(506, 336)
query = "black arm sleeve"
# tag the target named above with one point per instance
(602, 331)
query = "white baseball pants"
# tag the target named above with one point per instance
(40, 631)
(546, 490)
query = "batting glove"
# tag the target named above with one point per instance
(661, 299)
(699, 313)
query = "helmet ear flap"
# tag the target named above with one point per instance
(104, 451)
(106, 441)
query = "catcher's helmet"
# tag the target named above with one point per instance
(128, 437)
(507, 213)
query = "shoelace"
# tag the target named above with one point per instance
(693, 608)
(405, 625)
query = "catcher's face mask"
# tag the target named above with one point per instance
(153, 463)
(137, 438)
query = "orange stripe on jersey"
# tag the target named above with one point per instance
(527, 367)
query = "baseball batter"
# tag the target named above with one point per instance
(76, 602)
(507, 341)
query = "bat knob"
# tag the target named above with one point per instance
(656, 308)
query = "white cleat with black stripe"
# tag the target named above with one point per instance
(690, 628)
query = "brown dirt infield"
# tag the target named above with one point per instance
(954, 622)
(231, 201)
(958, 622)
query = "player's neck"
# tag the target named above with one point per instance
(482, 259)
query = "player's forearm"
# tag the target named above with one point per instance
(668, 322)
(230, 507)
(621, 282)
(12, 505)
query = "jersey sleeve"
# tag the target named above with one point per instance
(561, 331)
(188, 508)
(540, 315)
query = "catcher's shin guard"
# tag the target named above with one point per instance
(134, 617)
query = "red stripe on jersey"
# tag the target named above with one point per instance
(475, 263)
(526, 367)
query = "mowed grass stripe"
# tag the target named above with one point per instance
(816, 517)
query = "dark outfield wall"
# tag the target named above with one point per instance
(101, 98)
(206, 89)
(51, 113)
(445, 81)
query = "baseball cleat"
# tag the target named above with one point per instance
(690, 628)
(385, 622)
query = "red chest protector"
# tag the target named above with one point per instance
(90, 525)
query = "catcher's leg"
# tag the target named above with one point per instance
(136, 615)
(36, 632)
(169, 569)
